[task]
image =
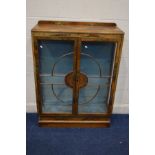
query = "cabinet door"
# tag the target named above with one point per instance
(55, 62)
(96, 63)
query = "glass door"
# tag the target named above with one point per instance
(96, 64)
(75, 76)
(55, 62)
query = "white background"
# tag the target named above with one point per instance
(80, 10)
(13, 77)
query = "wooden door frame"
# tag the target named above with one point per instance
(36, 67)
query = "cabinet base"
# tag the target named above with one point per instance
(74, 123)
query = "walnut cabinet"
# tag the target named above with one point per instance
(76, 67)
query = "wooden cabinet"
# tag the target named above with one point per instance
(76, 67)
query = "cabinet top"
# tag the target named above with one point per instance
(77, 27)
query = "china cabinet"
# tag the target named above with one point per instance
(76, 67)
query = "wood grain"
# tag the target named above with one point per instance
(76, 27)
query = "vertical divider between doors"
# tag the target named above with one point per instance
(76, 71)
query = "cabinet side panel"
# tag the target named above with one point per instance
(36, 73)
(115, 73)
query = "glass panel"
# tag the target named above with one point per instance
(55, 61)
(92, 99)
(56, 98)
(96, 62)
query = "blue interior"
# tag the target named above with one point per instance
(96, 61)
(56, 56)
(56, 60)
(49, 53)
(102, 53)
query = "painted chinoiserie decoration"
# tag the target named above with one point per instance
(76, 67)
